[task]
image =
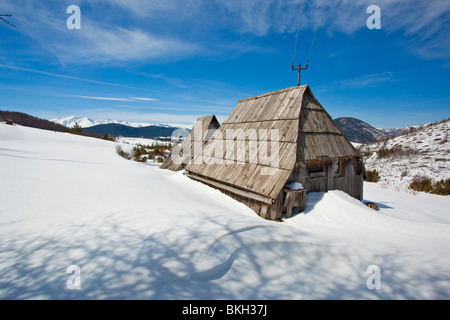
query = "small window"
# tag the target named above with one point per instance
(338, 166)
(314, 166)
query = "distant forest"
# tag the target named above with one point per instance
(27, 120)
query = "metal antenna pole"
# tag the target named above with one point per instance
(300, 70)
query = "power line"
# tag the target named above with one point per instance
(300, 69)
(316, 28)
(298, 29)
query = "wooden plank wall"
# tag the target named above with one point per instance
(263, 209)
(350, 181)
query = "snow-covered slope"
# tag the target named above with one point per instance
(139, 232)
(424, 151)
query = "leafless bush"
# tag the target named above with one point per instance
(123, 153)
(425, 184)
(395, 152)
(373, 176)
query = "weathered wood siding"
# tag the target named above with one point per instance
(278, 111)
(349, 180)
(305, 132)
(207, 123)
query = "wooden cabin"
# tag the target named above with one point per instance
(206, 126)
(310, 149)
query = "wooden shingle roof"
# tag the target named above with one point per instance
(305, 131)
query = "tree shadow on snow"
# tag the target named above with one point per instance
(225, 260)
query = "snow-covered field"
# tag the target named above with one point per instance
(139, 232)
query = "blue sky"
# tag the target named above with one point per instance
(172, 61)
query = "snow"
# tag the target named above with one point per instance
(294, 186)
(139, 232)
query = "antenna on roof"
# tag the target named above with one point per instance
(299, 69)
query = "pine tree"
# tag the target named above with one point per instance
(76, 129)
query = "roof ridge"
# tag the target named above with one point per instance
(274, 92)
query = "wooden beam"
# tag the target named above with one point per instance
(228, 188)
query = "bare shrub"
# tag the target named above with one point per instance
(395, 152)
(123, 153)
(424, 184)
(373, 176)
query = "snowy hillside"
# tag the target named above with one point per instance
(138, 232)
(424, 151)
(85, 122)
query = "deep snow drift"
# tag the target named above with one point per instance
(139, 232)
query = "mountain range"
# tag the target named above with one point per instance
(116, 130)
(359, 131)
(85, 122)
(354, 129)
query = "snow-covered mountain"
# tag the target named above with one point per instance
(85, 122)
(421, 151)
(361, 132)
(358, 131)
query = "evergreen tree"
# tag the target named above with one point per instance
(76, 129)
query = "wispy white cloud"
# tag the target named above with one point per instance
(105, 98)
(144, 99)
(58, 75)
(154, 30)
(425, 22)
(100, 39)
(369, 80)
(131, 99)
(147, 108)
(97, 44)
